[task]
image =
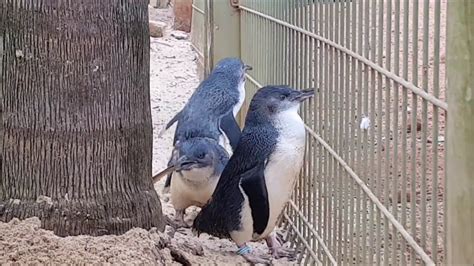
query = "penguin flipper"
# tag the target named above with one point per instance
(253, 184)
(229, 125)
(217, 217)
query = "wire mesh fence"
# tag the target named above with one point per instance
(372, 187)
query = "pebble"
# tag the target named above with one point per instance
(157, 28)
(179, 35)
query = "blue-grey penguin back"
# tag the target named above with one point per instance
(213, 100)
(258, 140)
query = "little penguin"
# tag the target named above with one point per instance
(212, 109)
(259, 178)
(197, 164)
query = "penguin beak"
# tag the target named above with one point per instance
(303, 95)
(184, 163)
(247, 67)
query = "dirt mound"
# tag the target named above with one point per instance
(25, 242)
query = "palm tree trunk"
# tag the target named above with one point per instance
(76, 132)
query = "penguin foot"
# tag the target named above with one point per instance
(277, 250)
(254, 259)
(179, 220)
(246, 252)
(181, 224)
(282, 252)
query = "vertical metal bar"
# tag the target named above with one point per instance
(372, 117)
(379, 126)
(359, 164)
(299, 72)
(388, 52)
(353, 190)
(321, 154)
(316, 159)
(345, 120)
(335, 125)
(300, 66)
(310, 83)
(331, 126)
(406, 14)
(414, 125)
(327, 209)
(340, 16)
(327, 128)
(366, 171)
(424, 128)
(436, 74)
(396, 103)
(303, 67)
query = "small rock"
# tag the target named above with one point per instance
(170, 231)
(15, 221)
(179, 35)
(194, 248)
(157, 28)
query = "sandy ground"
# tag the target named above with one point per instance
(173, 78)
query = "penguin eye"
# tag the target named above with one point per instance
(282, 97)
(201, 155)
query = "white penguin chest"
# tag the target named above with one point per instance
(224, 142)
(193, 187)
(237, 107)
(223, 139)
(284, 165)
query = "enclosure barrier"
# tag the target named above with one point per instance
(199, 35)
(372, 189)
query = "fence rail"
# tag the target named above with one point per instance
(372, 187)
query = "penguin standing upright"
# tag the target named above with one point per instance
(258, 179)
(210, 116)
(212, 109)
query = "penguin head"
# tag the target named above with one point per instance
(232, 68)
(272, 100)
(199, 153)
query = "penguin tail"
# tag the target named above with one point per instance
(170, 123)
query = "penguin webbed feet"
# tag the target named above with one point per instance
(246, 252)
(283, 252)
(277, 249)
(178, 221)
(255, 259)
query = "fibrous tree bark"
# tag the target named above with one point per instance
(76, 133)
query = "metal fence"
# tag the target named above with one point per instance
(199, 36)
(372, 187)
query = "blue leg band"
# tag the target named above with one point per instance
(244, 250)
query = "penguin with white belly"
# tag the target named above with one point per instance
(197, 164)
(259, 178)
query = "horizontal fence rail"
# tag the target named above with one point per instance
(372, 187)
